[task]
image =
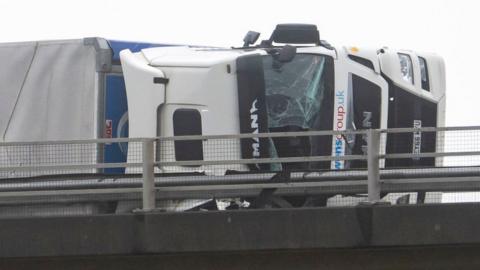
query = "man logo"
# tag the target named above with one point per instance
(254, 126)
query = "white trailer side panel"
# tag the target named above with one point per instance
(47, 91)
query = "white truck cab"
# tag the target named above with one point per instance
(303, 84)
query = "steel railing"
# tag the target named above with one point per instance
(372, 179)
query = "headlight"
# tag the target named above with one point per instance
(424, 73)
(406, 67)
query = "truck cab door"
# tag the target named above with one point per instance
(361, 96)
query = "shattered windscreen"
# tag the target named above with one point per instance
(294, 90)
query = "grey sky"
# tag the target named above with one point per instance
(449, 28)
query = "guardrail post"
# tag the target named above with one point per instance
(148, 175)
(373, 141)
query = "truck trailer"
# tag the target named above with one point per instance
(64, 90)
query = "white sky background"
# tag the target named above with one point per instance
(449, 28)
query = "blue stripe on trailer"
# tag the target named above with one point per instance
(118, 46)
(116, 121)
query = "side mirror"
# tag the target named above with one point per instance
(286, 54)
(250, 38)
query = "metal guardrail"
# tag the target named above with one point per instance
(373, 179)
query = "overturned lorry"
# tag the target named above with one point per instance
(96, 88)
